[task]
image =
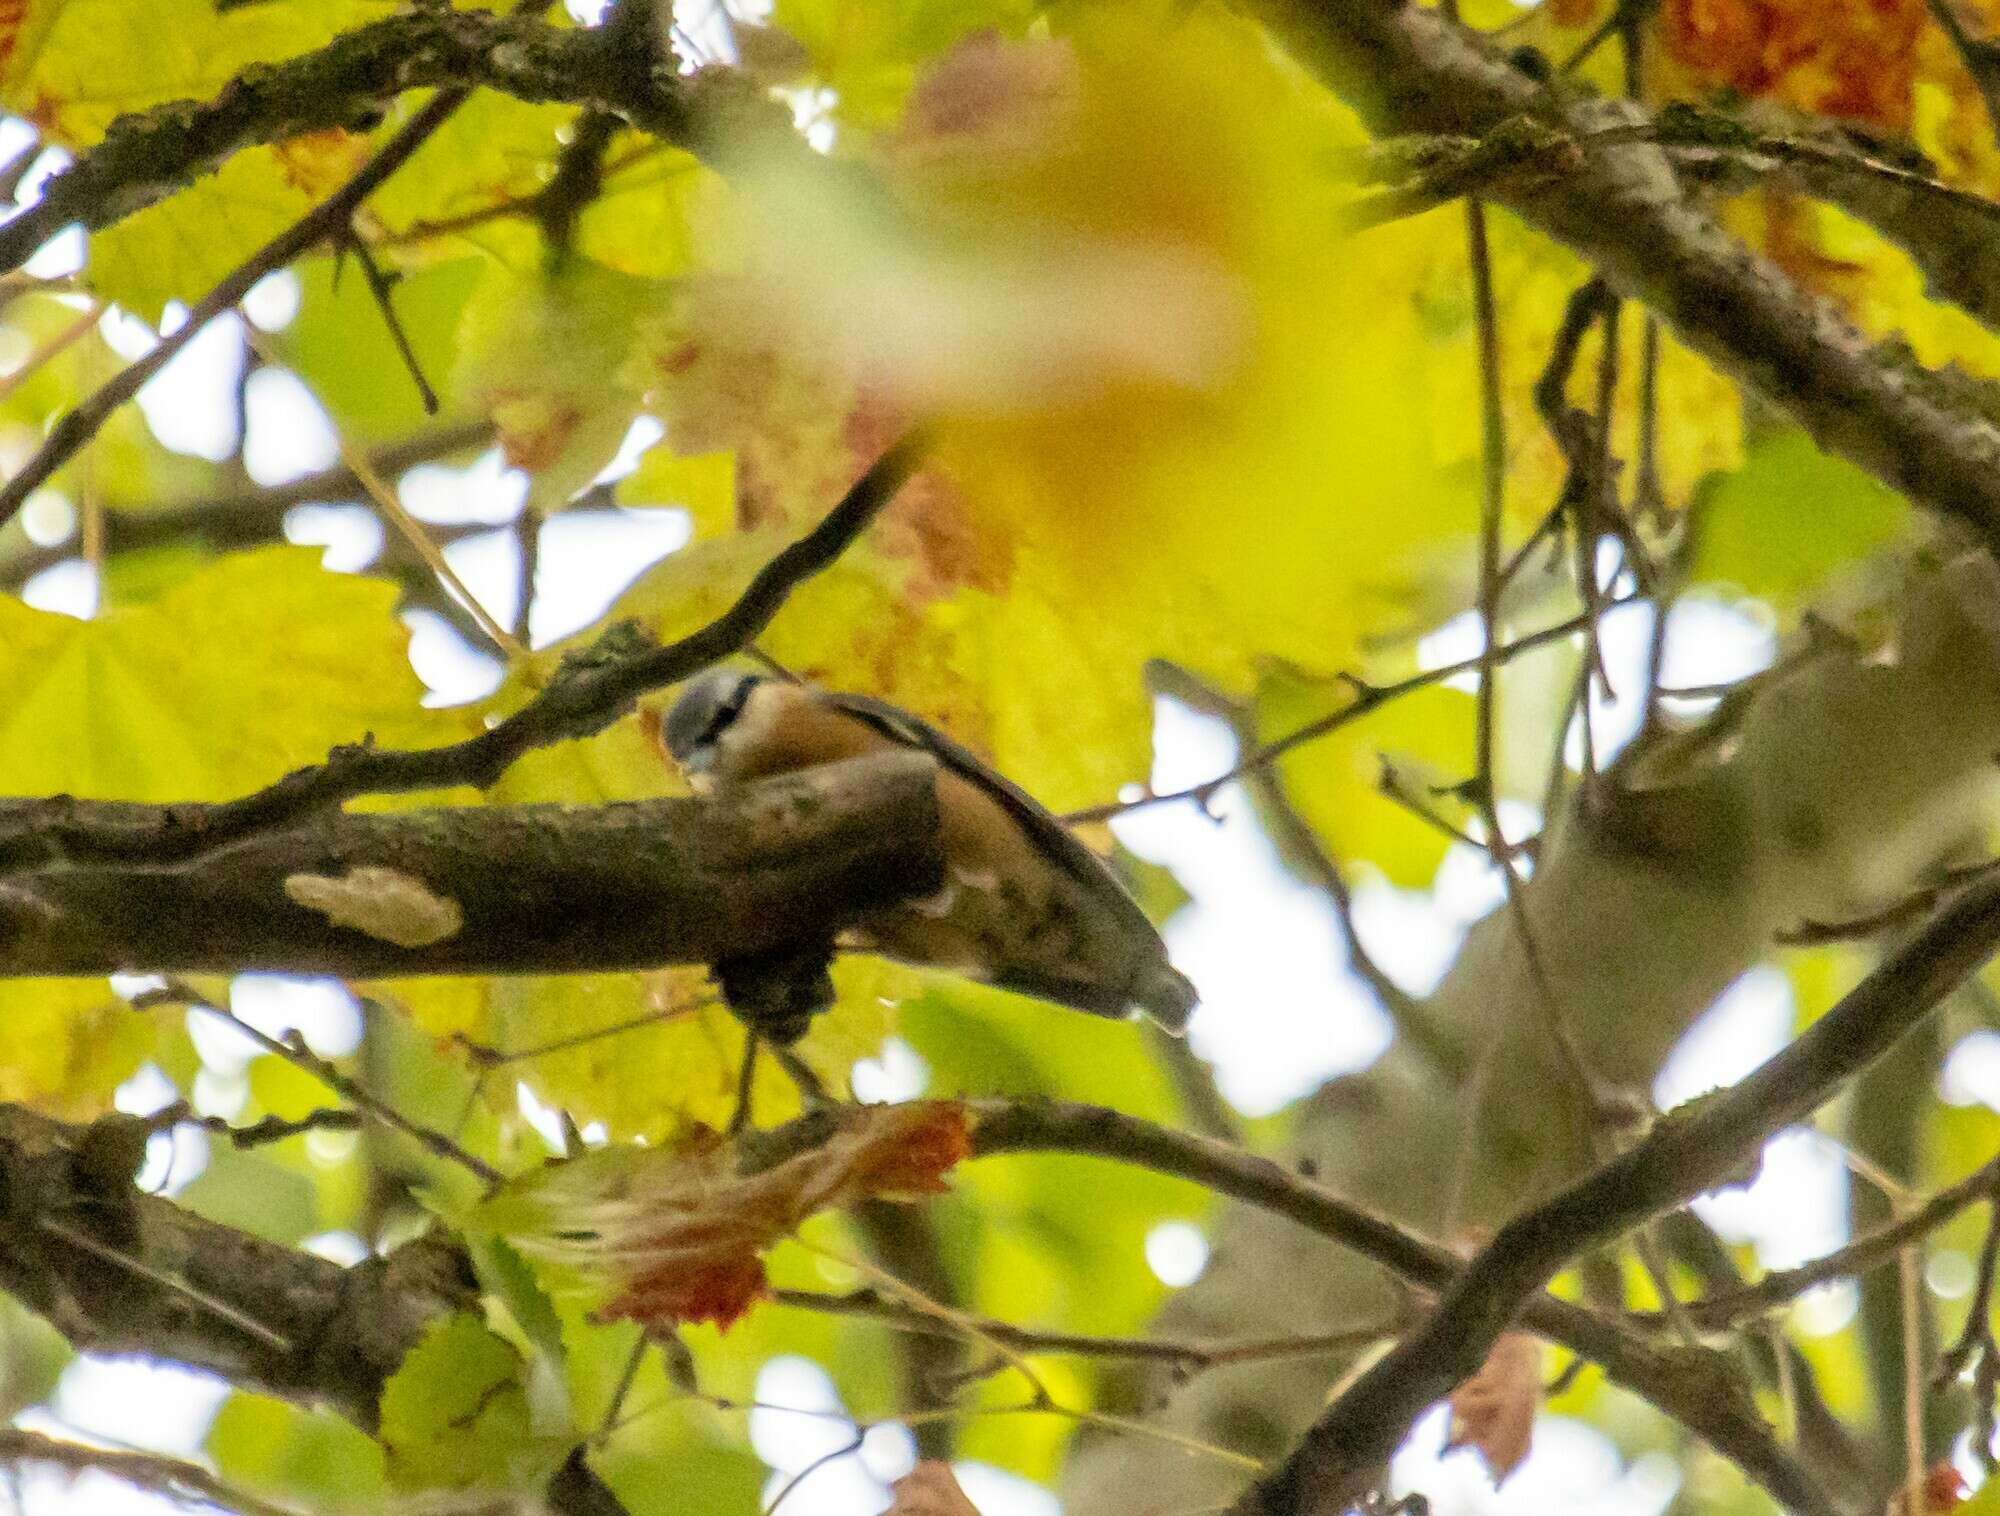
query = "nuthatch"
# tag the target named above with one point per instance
(1025, 905)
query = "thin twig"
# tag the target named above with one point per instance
(1190, 1356)
(82, 421)
(292, 1051)
(381, 287)
(1367, 699)
(169, 1478)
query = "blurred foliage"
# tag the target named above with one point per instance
(1179, 418)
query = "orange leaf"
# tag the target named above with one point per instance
(1944, 1490)
(1494, 1410)
(678, 1235)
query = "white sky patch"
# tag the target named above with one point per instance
(1797, 1208)
(69, 588)
(1570, 1468)
(896, 1073)
(289, 433)
(273, 301)
(1176, 1252)
(1748, 1023)
(1971, 1074)
(455, 671)
(187, 403)
(48, 517)
(352, 535)
(590, 559)
(323, 1011)
(486, 490)
(137, 1401)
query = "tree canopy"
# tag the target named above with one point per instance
(1555, 444)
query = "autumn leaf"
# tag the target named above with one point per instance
(678, 1235)
(1494, 1411)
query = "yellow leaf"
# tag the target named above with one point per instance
(251, 667)
(71, 1042)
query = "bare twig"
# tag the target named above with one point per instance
(1367, 698)
(82, 422)
(1188, 1356)
(170, 1478)
(293, 1050)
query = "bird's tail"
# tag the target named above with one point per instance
(1166, 995)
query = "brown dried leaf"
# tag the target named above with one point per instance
(1494, 1410)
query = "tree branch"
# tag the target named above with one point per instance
(1700, 1389)
(591, 690)
(489, 890)
(118, 1271)
(1690, 1151)
(147, 156)
(1412, 71)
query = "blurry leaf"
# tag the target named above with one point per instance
(868, 51)
(177, 249)
(1334, 781)
(704, 486)
(33, 1355)
(252, 667)
(1494, 1410)
(71, 1043)
(254, 1194)
(505, 1275)
(677, 1236)
(545, 354)
(494, 151)
(309, 1456)
(455, 1413)
(1789, 518)
(678, 1461)
(343, 349)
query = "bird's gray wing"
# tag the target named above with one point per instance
(1049, 834)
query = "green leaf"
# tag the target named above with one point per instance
(256, 1194)
(308, 1456)
(1334, 781)
(1781, 525)
(680, 1461)
(548, 355)
(455, 1414)
(342, 347)
(33, 1355)
(703, 485)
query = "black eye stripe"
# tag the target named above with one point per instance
(730, 708)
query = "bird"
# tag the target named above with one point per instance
(1025, 905)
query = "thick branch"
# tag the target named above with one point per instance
(483, 890)
(1683, 1156)
(117, 1271)
(591, 690)
(1412, 71)
(148, 156)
